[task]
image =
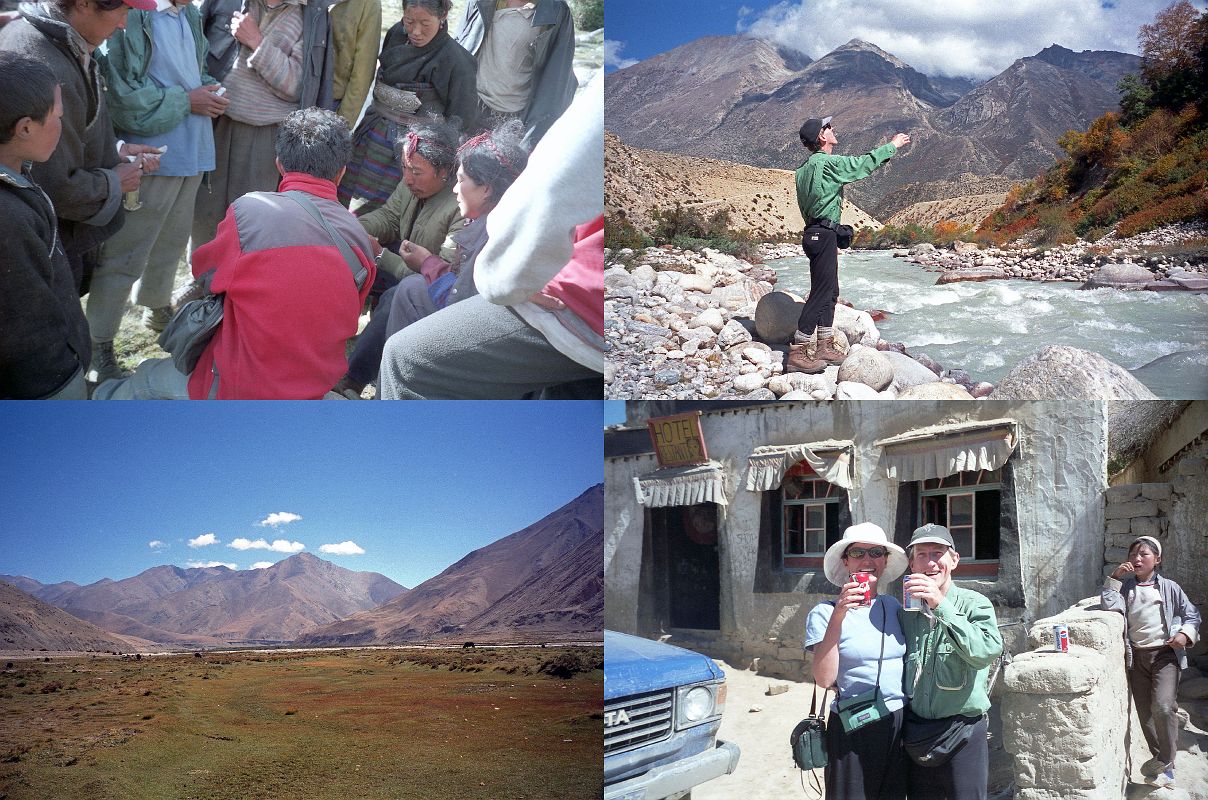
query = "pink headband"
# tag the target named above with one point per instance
(485, 138)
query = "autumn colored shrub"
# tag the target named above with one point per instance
(1176, 209)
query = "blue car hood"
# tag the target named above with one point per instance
(633, 665)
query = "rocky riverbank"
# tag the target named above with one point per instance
(687, 325)
(1161, 260)
(1171, 258)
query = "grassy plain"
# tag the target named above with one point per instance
(484, 723)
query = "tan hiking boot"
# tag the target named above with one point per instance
(828, 352)
(157, 318)
(798, 361)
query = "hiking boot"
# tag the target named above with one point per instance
(1163, 778)
(798, 361)
(828, 352)
(1153, 767)
(104, 364)
(157, 318)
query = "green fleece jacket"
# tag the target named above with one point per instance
(948, 656)
(821, 179)
(138, 104)
(428, 223)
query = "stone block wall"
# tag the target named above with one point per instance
(1065, 714)
(1132, 510)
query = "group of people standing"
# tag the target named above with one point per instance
(173, 112)
(919, 674)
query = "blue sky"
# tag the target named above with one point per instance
(972, 38)
(88, 486)
(614, 411)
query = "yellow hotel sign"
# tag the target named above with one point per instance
(678, 441)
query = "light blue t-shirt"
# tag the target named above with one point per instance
(860, 644)
(174, 63)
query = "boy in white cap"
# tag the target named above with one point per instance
(950, 644)
(1160, 623)
(858, 650)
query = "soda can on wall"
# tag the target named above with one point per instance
(910, 602)
(1061, 638)
(862, 578)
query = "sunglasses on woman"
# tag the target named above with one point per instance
(860, 552)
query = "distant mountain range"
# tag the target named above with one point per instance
(212, 606)
(545, 581)
(27, 623)
(742, 99)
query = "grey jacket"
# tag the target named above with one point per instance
(1178, 612)
(316, 43)
(553, 59)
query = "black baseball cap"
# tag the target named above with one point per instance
(810, 130)
(932, 533)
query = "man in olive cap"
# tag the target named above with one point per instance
(951, 644)
(820, 182)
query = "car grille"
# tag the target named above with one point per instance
(649, 721)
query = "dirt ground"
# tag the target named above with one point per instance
(760, 725)
(484, 723)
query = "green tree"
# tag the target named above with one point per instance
(589, 15)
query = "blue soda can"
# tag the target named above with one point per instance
(910, 602)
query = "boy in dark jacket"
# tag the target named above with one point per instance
(44, 339)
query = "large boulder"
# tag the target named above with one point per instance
(1062, 372)
(732, 333)
(696, 283)
(937, 390)
(856, 325)
(1120, 276)
(709, 318)
(906, 371)
(867, 366)
(983, 273)
(851, 390)
(776, 317)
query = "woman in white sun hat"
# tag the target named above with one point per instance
(859, 650)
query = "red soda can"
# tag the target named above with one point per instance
(862, 578)
(1061, 638)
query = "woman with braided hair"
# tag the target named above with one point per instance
(424, 75)
(488, 164)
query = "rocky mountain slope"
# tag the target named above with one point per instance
(998, 132)
(763, 201)
(542, 582)
(27, 623)
(215, 605)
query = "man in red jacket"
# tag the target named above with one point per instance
(291, 298)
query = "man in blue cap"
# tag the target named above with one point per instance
(820, 182)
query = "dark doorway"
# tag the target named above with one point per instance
(684, 550)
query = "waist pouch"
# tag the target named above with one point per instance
(843, 233)
(932, 742)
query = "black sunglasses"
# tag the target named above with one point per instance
(859, 552)
(108, 5)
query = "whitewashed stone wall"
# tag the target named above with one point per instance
(1065, 715)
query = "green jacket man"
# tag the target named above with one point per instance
(951, 644)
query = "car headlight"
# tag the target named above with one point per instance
(698, 703)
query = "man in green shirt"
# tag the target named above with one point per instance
(820, 182)
(951, 643)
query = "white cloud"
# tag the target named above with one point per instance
(970, 38)
(278, 518)
(278, 545)
(348, 548)
(207, 564)
(612, 55)
(203, 540)
(156, 545)
(261, 565)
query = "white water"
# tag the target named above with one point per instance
(987, 328)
